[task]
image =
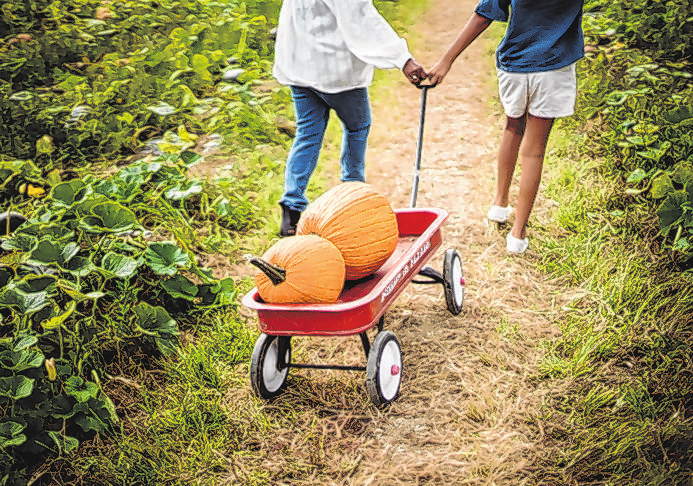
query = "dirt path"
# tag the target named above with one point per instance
(469, 399)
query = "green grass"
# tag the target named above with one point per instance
(624, 354)
(193, 419)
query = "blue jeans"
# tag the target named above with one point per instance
(312, 113)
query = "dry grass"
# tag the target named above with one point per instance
(471, 403)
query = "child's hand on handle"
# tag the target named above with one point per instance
(414, 72)
(437, 73)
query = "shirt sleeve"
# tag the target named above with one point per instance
(494, 9)
(368, 35)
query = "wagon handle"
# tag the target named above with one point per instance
(415, 188)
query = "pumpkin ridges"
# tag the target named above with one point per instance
(300, 257)
(359, 221)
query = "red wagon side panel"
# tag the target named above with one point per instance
(362, 302)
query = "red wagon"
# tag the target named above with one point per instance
(361, 306)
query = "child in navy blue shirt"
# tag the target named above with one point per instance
(536, 79)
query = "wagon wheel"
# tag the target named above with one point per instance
(268, 371)
(384, 369)
(453, 281)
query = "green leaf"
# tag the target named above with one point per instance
(81, 390)
(155, 321)
(44, 145)
(162, 109)
(16, 387)
(56, 321)
(682, 244)
(18, 361)
(636, 176)
(79, 266)
(26, 302)
(48, 251)
(11, 434)
(662, 186)
(120, 266)
(110, 216)
(178, 192)
(25, 342)
(65, 443)
(189, 158)
(20, 242)
(67, 193)
(671, 211)
(165, 258)
(180, 287)
(682, 174)
(683, 113)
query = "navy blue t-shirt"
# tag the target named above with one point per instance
(542, 35)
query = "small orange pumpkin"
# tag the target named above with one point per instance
(303, 269)
(357, 220)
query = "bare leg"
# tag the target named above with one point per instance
(507, 157)
(532, 160)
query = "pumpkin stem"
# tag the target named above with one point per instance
(275, 274)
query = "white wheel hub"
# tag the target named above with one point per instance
(271, 375)
(390, 370)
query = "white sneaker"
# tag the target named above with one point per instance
(499, 214)
(516, 245)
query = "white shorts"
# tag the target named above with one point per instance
(547, 94)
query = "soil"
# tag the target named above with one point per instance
(471, 400)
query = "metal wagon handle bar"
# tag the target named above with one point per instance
(419, 144)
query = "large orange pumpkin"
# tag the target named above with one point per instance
(357, 220)
(303, 269)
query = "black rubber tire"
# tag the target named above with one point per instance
(383, 385)
(266, 378)
(453, 279)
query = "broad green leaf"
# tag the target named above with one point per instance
(11, 434)
(19, 242)
(165, 258)
(636, 176)
(110, 216)
(25, 342)
(67, 193)
(190, 158)
(23, 360)
(56, 321)
(90, 423)
(682, 244)
(178, 192)
(79, 266)
(683, 174)
(37, 283)
(670, 211)
(65, 443)
(81, 390)
(162, 109)
(155, 321)
(199, 63)
(48, 251)
(21, 96)
(683, 113)
(44, 145)
(119, 265)
(180, 287)
(662, 186)
(26, 303)
(6, 274)
(16, 387)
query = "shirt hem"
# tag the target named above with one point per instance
(538, 69)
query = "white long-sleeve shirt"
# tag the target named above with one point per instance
(334, 45)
